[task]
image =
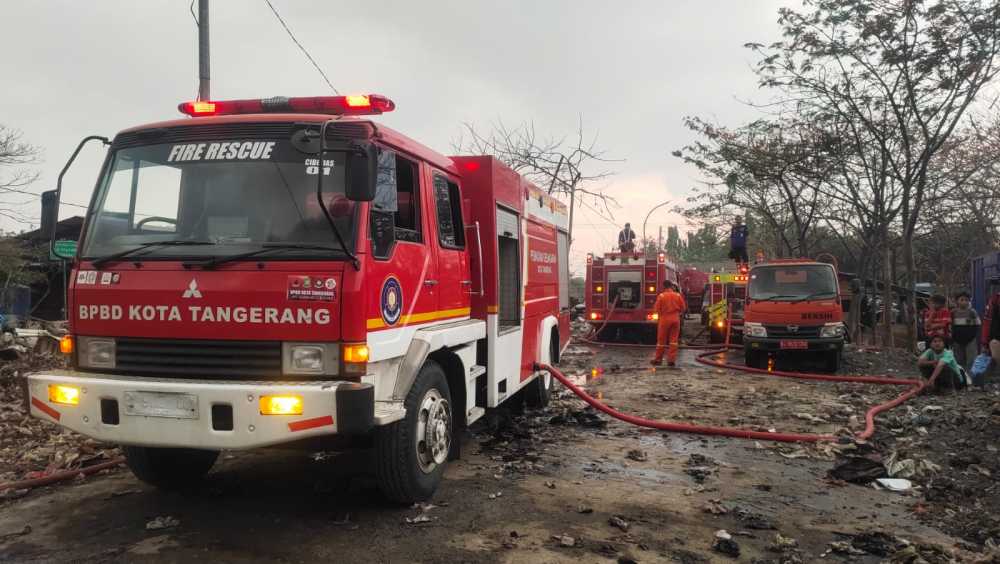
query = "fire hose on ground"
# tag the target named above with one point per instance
(915, 388)
(60, 476)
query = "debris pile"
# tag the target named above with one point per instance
(32, 448)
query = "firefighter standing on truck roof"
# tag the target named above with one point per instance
(668, 308)
(738, 241)
(626, 239)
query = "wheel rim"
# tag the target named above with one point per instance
(433, 437)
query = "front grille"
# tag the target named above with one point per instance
(242, 360)
(783, 331)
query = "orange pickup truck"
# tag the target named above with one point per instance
(793, 306)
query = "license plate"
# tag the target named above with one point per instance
(796, 344)
(161, 404)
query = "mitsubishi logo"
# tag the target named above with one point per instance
(192, 290)
(791, 328)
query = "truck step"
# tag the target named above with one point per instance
(474, 414)
(476, 371)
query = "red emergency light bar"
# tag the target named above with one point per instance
(369, 104)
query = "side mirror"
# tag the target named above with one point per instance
(362, 170)
(50, 214)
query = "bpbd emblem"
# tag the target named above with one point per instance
(392, 300)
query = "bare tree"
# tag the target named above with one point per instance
(906, 73)
(568, 165)
(770, 169)
(16, 157)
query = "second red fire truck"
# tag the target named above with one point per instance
(268, 271)
(620, 290)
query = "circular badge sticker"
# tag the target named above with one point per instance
(392, 300)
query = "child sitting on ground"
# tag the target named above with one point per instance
(940, 362)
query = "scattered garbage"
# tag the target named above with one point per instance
(782, 543)
(422, 518)
(895, 484)
(565, 540)
(637, 455)
(619, 522)
(584, 418)
(724, 544)
(858, 470)
(163, 522)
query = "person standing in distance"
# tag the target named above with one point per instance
(669, 308)
(738, 241)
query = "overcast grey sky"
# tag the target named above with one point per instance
(632, 69)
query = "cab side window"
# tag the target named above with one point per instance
(448, 201)
(408, 201)
(395, 211)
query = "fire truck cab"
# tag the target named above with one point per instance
(269, 271)
(793, 306)
(620, 292)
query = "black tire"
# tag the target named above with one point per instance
(715, 336)
(538, 393)
(833, 361)
(169, 468)
(408, 470)
(750, 358)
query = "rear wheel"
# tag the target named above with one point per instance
(538, 393)
(169, 468)
(411, 452)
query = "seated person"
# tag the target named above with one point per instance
(940, 362)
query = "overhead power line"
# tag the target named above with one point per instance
(25, 192)
(303, 49)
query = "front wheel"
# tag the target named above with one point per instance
(538, 393)
(833, 359)
(169, 468)
(751, 358)
(411, 452)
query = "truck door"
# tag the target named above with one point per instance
(403, 271)
(454, 279)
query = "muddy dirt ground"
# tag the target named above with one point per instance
(567, 485)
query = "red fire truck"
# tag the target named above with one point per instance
(693, 282)
(620, 291)
(268, 271)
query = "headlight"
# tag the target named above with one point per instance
(754, 329)
(832, 330)
(96, 352)
(310, 358)
(307, 359)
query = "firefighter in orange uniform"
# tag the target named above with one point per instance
(669, 308)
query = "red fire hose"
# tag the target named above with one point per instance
(916, 386)
(60, 476)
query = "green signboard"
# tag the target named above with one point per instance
(63, 250)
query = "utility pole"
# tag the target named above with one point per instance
(659, 240)
(204, 73)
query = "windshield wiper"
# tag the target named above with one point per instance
(815, 295)
(98, 262)
(266, 248)
(775, 297)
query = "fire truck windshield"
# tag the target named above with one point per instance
(225, 198)
(792, 282)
